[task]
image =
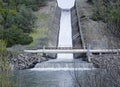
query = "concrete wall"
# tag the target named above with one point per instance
(75, 30)
(54, 29)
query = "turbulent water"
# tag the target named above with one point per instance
(65, 32)
(66, 4)
(65, 65)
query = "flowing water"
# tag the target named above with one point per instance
(65, 32)
(32, 78)
(55, 74)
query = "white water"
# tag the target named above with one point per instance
(65, 33)
(62, 69)
(54, 65)
(66, 4)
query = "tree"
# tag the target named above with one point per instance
(108, 12)
(14, 35)
(25, 19)
(18, 13)
(90, 1)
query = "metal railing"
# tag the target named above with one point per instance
(72, 50)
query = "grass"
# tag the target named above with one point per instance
(38, 34)
(42, 16)
(40, 31)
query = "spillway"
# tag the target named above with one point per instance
(65, 32)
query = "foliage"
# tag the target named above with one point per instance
(15, 35)
(113, 21)
(25, 19)
(109, 12)
(90, 1)
(4, 67)
(18, 13)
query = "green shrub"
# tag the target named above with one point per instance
(14, 36)
(96, 16)
(90, 1)
(108, 12)
(17, 19)
(26, 39)
(25, 19)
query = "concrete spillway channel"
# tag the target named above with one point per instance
(68, 33)
(65, 32)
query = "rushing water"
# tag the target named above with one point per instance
(65, 32)
(66, 4)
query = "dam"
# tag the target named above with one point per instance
(58, 70)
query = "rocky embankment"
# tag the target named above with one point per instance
(20, 60)
(107, 61)
(25, 61)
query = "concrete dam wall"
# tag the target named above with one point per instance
(75, 31)
(54, 27)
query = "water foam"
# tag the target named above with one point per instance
(61, 69)
(66, 4)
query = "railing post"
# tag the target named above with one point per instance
(118, 53)
(44, 54)
(100, 53)
(89, 53)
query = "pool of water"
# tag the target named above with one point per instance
(29, 78)
(34, 78)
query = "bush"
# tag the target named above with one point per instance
(96, 16)
(25, 19)
(108, 12)
(25, 39)
(90, 1)
(14, 36)
(18, 13)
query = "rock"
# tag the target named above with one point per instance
(107, 61)
(25, 61)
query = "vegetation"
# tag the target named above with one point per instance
(109, 12)
(40, 31)
(4, 67)
(39, 36)
(17, 20)
(90, 1)
(15, 35)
